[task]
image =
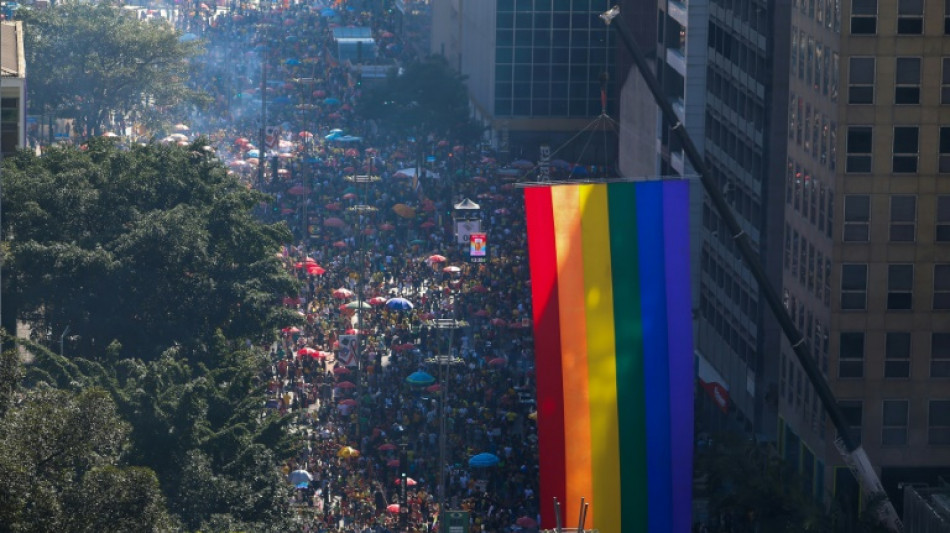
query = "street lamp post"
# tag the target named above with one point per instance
(361, 211)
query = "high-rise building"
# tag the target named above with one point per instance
(12, 88)
(866, 239)
(859, 244)
(534, 69)
(723, 66)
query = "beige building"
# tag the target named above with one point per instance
(867, 238)
(12, 87)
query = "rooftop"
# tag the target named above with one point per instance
(12, 63)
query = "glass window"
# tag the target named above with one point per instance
(861, 80)
(910, 17)
(851, 354)
(946, 17)
(942, 286)
(857, 217)
(903, 226)
(860, 141)
(853, 411)
(945, 81)
(906, 145)
(864, 17)
(938, 422)
(942, 233)
(907, 77)
(897, 354)
(894, 423)
(900, 287)
(854, 286)
(940, 355)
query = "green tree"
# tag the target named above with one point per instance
(140, 251)
(60, 459)
(428, 97)
(91, 60)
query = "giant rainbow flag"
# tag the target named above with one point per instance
(613, 348)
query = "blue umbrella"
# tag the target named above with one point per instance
(187, 38)
(300, 476)
(579, 171)
(483, 460)
(398, 304)
(421, 378)
(253, 153)
(331, 101)
(293, 62)
(328, 13)
(302, 485)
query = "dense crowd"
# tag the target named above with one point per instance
(358, 245)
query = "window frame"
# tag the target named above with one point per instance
(861, 91)
(857, 225)
(941, 424)
(904, 157)
(897, 352)
(941, 287)
(867, 18)
(855, 158)
(913, 21)
(850, 362)
(940, 354)
(897, 295)
(857, 290)
(907, 89)
(902, 228)
(895, 427)
(942, 218)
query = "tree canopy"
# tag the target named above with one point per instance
(95, 59)
(138, 251)
(427, 97)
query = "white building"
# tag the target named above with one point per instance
(12, 87)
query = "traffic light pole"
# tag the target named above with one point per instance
(854, 455)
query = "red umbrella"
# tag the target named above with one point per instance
(342, 293)
(498, 361)
(351, 152)
(434, 388)
(346, 385)
(481, 313)
(451, 269)
(349, 401)
(340, 370)
(387, 447)
(427, 224)
(339, 244)
(393, 508)
(334, 222)
(436, 258)
(349, 196)
(314, 270)
(498, 322)
(332, 207)
(409, 482)
(393, 463)
(377, 300)
(293, 330)
(526, 522)
(306, 350)
(353, 331)
(386, 227)
(298, 190)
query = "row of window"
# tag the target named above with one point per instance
(747, 13)
(726, 326)
(798, 393)
(862, 79)
(815, 64)
(813, 131)
(910, 17)
(899, 287)
(806, 262)
(897, 354)
(507, 6)
(905, 149)
(895, 421)
(806, 194)
(902, 218)
(824, 12)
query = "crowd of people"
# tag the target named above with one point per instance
(362, 244)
